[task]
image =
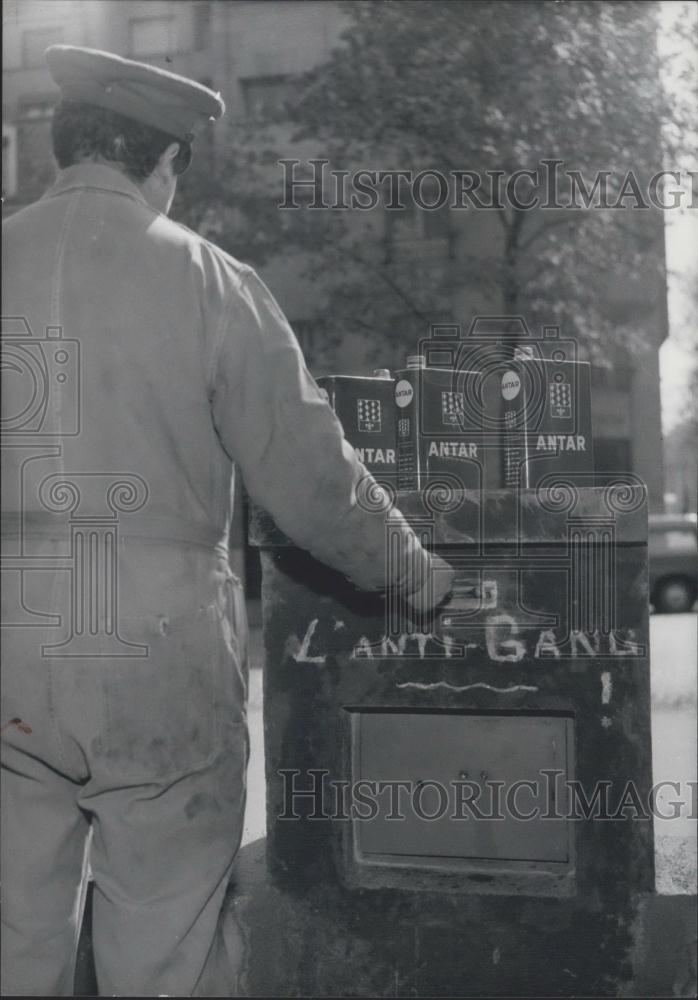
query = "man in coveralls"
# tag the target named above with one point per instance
(124, 709)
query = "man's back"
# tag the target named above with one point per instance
(176, 362)
(125, 304)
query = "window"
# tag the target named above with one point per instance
(401, 224)
(681, 541)
(151, 36)
(35, 166)
(436, 224)
(265, 97)
(202, 24)
(36, 109)
(415, 223)
(35, 41)
(617, 375)
(9, 161)
(611, 456)
(306, 331)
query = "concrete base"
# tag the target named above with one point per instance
(664, 960)
(295, 945)
(325, 941)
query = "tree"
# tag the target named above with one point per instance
(487, 87)
(680, 452)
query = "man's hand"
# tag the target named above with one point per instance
(436, 590)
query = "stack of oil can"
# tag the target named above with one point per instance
(472, 413)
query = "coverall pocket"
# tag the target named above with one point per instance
(160, 711)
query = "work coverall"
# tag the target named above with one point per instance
(143, 365)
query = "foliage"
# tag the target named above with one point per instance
(470, 86)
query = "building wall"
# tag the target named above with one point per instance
(249, 51)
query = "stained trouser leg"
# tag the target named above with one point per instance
(161, 859)
(43, 847)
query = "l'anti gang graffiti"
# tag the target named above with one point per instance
(502, 642)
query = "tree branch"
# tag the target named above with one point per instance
(384, 277)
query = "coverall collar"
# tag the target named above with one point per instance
(95, 175)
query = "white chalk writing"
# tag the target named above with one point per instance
(547, 646)
(503, 643)
(467, 687)
(303, 654)
(496, 646)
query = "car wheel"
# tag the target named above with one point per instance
(674, 595)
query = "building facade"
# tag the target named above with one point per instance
(251, 52)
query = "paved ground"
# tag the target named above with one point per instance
(674, 665)
(674, 671)
(255, 816)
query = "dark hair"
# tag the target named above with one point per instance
(82, 130)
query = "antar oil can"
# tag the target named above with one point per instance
(439, 427)
(546, 420)
(365, 408)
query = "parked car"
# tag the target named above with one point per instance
(673, 555)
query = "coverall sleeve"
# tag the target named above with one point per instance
(276, 426)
